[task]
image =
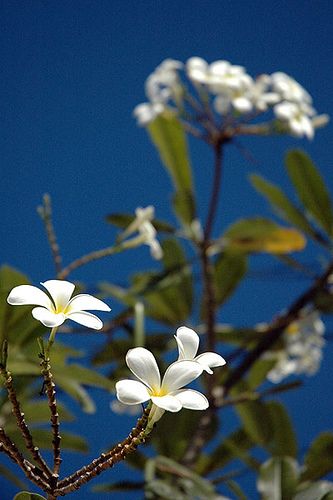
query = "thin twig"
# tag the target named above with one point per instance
(51, 395)
(274, 332)
(105, 460)
(20, 420)
(30, 470)
(45, 212)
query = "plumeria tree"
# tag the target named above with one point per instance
(180, 443)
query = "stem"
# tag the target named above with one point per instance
(200, 436)
(100, 254)
(216, 189)
(105, 460)
(50, 343)
(45, 211)
(45, 470)
(277, 329)
(30, 470)
(51, 395)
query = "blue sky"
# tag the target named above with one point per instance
(72, 73)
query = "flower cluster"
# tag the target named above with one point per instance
(231, 93)
(168, 393)
(302, 351)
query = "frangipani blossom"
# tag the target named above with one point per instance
(166, 394)
(229, 98)
(57, 306)
(303, 345)
(142, 224)
(188, 344)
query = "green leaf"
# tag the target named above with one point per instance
(320, 490)
(283, 440)
(278, 479)
(235, 446)
(168, 135)
(175, 431)
(118, 486)
(319, 458)
(184, 205)
(25, 495)
(282, 204)
(255, 418)
(262, 235)
(310, 188)
(82, 375)
(258, 372)
(229, 270)
(16, 323)
(8, 474)
(170, 300)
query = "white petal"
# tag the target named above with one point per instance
(242, 104)
(60, 291)
(47, 317)
(179, 374)
(29, 295)
(131, 392)
(189, 340)
(210, 360)
(86, 319)
(167, 402)
(193, 400)
(142, 363)
(84, 302)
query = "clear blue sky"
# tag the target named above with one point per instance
(72, 73)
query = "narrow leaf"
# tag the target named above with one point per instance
(278, 479)
(310, 188)
(229, 269)
(282, 204)
(319, 458)
(262, 235)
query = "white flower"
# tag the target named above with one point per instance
(161, 86)
(303, 348)
(289, 89)
(142, 224)
(164, 83)
(147, 112)
(261, 95)
(55, 308)
(188, 343)
(297, 116)
(166, 395)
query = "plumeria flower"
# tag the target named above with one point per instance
(298, 118)
(162, 86)
(302, 352)
(188, 344)
(167, 394)
(289, 89)
(57, 305)
(146, 112)
(142, 224)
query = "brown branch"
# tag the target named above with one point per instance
(30, 470)
(276, 330)
(21, 423)
(85, 259)
(45, 212)
(105, 460)
(51, 395)
(272, 334)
